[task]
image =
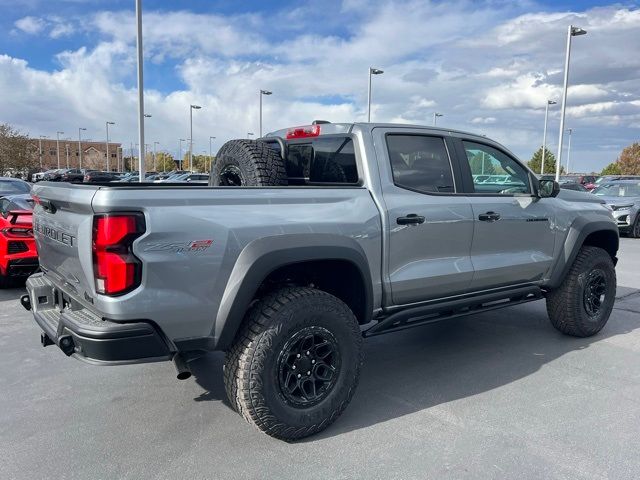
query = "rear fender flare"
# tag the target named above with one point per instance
(264, 256)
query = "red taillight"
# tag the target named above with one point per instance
(303, 132)
(115, 267)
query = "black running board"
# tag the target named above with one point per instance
(436, 312)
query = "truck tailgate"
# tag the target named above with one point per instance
(62, 226)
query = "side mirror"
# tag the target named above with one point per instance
(548, 188)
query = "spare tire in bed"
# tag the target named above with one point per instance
(247, 163)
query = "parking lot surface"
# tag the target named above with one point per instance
(496, 395)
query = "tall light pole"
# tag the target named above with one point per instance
(570, 130)
(571, 32)
(180, 154)
(210, 153)
(107, 125)
(155, 168)
(58, 146)
(191, 109)
(544, 135)
(66, 146)
(435, 117)
(372, 71)
(80, 129)
(262, 92)
(40, 149)
(140, 63)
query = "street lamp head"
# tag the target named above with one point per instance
(196, 107)
(551, 102)
(576, 31)
(250, 133)
(265, 92)
(111, 123)
(81, 128)
(147, 115)
(60, 133)
(375, 71)
(439, 114)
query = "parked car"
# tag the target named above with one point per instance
(309, 240)
(624, 198)
(18, 255)
(12, 186)
(578, 187)
(588, 181)
(191, 178)
(613, 178)
(99, 177)
(74, 175)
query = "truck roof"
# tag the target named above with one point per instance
(337, 128)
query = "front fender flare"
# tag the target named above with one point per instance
(580, 229)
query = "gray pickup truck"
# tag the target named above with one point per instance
(369, 229)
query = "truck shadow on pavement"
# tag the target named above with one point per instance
(417, 369)
(421, 368)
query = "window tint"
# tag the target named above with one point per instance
(420, 163)
(8, 187)
(494, 171)
(322, 160)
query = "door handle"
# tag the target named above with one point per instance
(489, 217)
(411, 219)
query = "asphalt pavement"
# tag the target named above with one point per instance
(495, 395)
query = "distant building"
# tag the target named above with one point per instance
(94, 154)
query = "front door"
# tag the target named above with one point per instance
(429, 226)
(513, 236)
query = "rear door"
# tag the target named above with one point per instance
(429, 224)
(513, 236)
(62, 227)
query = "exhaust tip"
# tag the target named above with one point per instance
(181, 367)
(25, 301)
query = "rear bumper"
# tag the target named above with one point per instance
(84, 335)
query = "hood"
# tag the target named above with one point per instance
(617, 201)
(575, 196)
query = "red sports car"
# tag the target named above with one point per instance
(18, 254)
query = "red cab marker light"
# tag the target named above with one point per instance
(303, 132)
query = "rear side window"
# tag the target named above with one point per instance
(420, 163)
(322, 160)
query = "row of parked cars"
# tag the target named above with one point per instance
(620, 192)
(81, 175)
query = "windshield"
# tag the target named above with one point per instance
(618, 190)
(8, 187)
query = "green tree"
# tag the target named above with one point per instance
(549, 162)
(612, 169)
(18, 155)
(165, 162)
(629, 160)
(481, 165)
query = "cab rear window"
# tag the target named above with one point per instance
(321, 161)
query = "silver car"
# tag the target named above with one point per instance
(623, 196)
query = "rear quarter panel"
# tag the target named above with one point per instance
(195, 235)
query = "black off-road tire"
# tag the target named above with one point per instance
(634, 231)
(591, 281)
(248, 163)
(265, 348)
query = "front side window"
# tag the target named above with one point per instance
(494, 172)
(420, 163)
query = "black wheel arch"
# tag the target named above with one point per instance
(603, 234)
(263, 258)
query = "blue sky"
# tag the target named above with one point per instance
(488, 66)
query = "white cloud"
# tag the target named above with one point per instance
(30, 25)
(481, 65)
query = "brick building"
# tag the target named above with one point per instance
(94, 154)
